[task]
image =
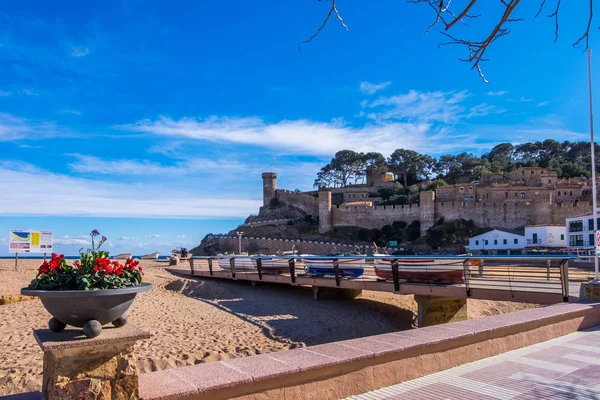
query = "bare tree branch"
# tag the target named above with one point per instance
(586, 34)
(555, 15)
(332, 10)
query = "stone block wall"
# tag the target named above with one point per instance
(265, 245)
(305, 202)
(374, 217)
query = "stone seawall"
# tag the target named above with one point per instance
(271, 246)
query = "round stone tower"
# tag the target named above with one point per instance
(269, 186)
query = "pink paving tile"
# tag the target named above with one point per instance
(572, 363)
(441, 391)
(551, 353)
(374, 347)
(496, 372)
(431, 334)
(211, 376)
(517, 385)
(545, 373)
(588, 376)
(303, 359)
(587, 340)
(261, 367)
(540, 392)
(340, 353)
(397, 342)
(164, 385)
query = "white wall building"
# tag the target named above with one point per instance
(545, 236)
(580, 231)
(496, 240)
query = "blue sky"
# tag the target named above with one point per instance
(157, 118)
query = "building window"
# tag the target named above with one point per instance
(571, 193)
(576, 240)
(504, 241)
(590, 224)
(559, 192)
(506, 194)
(522, 195)
(486, 243)
(562, 237)
(549, 180)
(516, 194)
(495, 241)
(523, 172)
(532, 172)
(591, 238)
(535, 238)
(576, 226)
(516, 241)
(477, 243)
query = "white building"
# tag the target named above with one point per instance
(545, 236)
(496, 240)
(580, 231)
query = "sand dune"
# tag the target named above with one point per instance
(194, 321)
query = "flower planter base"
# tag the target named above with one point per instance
(87, 309)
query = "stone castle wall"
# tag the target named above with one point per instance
(305, 202)
(374, 217)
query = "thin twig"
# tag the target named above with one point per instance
(586, 34)
(332, 10)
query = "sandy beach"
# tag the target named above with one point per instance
(194, 321)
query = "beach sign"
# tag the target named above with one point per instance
(28, 241)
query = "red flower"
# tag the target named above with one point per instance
(44, 268)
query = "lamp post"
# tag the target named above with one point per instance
(239, 234)
(593, 151)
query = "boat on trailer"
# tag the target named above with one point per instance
(429, 270)
(151, 256)
(270, 263)
(242, 263)
(323, 266)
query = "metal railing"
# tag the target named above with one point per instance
(531, 274)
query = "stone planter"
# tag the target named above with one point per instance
(87, 309)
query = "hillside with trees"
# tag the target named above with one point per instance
(347, 167)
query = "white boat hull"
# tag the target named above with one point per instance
(241, 263)
(123, 256)
(424, 270)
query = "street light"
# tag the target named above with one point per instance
(239, 234)
(593, 151)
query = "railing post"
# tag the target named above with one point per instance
(336, 270)
(259, 268)
(395, 275)
(191, 266)
(467, 274)
(292, 265)
(232, 265)
(210, 266)
(564, 279)
(548, 264)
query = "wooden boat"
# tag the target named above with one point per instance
(424, 269)
(271, 264)
(242, 263)
(323, 266)
(122, 256)
(151, 256)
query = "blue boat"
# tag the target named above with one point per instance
(323, 266)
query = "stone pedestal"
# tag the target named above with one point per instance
(439, 310)
(104, 367)
(590, 291)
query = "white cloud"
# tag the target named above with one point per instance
(29, 92)
(180, 236)
(444, 107)
(79, 51)
(543, 103)
(15, 128)
(124, 238)
(69, 111)
(68, 196)
(72, 241)
(371, 88)
(156, 235)
(5, 94)
(498, 93)
(484, 109)
(524, 99)
(91, 164)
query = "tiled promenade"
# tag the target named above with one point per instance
(564, 368)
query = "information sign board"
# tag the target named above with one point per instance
(28, 241)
